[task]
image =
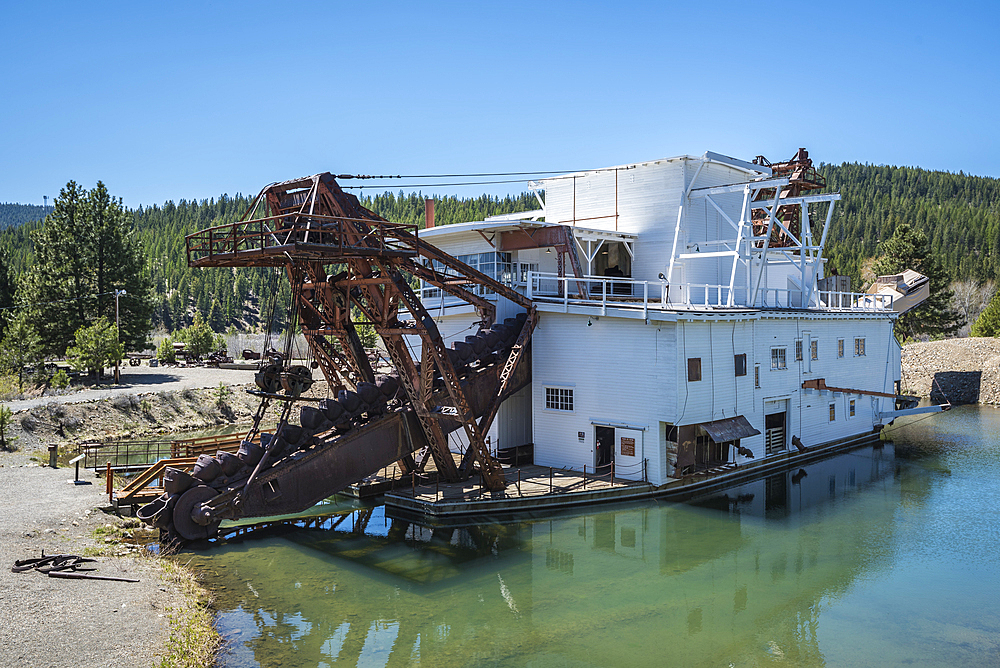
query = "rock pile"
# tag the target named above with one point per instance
(961, 371)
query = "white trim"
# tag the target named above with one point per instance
(618, 425)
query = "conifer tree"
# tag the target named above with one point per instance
(988, 322)
(909, 249)
(86, 250)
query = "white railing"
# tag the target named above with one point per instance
(599, 290)
(635, 294)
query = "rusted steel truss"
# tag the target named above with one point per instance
(802, 176)
(348, 267)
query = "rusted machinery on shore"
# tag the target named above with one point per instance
(348, 266)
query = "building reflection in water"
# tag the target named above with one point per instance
(738, 577)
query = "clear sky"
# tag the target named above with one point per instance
(177, 100)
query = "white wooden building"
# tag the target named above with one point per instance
(676, 341)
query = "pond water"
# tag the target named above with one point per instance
(882, 556)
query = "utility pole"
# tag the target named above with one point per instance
(118, 324)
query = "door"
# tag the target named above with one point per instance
(775, 425)
(605, 452)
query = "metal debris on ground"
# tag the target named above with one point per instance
(65, 566)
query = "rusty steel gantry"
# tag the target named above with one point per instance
(309, 226)
(802, 177)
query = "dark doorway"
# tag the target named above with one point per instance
(774, 432)
(605, 447)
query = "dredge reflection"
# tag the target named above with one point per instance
(735, 578)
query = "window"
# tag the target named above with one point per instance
(833, 412)
(495, 265)
(859, 347)
(798, 350)
(814, 349)
(756, 375)
(778, 358)
(694, 369)
(850, 411)
(840, 347)
(558, 399)
(741, 364)
(524, 268)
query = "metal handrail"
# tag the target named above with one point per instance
(714, 296)
(259, 235)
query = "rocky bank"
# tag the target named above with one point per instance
(960, 371)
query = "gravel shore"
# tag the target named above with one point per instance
(48, 622)
(961, 371)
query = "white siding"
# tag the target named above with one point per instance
(621, 372)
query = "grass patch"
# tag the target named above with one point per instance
(193, 641)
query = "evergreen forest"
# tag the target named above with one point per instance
(958, 214)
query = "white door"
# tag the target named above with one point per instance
(629, 454)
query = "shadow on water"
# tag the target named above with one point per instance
(830, 563)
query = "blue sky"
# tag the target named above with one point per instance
(189, 100)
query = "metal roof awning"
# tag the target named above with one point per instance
(730, 429)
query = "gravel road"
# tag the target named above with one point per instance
(48, 622)
(143, 379)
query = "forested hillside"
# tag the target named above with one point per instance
(18, 214)
(242, 298)
(960, 215)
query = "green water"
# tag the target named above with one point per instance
(880, 557)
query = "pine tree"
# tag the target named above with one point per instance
(85, 251)
(20, 347)
(988, 322)
(909, 249)
(96, 347)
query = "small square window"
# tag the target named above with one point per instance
(694, 369)
(833, 412)
(850, 410)
(859, 347)
(558, 399)
(778, 358)
(840, 347)
(741, 364)
(798, 350)
(814, 349)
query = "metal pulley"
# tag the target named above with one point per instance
(296, 380)
(268, 379)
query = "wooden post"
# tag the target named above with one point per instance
(413, 484)
(519, 482)
(108, 484)
(585, 476)
(550, 480)
(437, 488)
(612, 474)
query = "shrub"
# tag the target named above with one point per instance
(165, 351)
(222, 393)
(60, 379)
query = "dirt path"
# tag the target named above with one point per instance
(72, 623)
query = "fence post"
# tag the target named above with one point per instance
(437, 487)
(519, 482)
(585, 476)
(550, 480)
(612, 474)
(109, 485)
(413, 484)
